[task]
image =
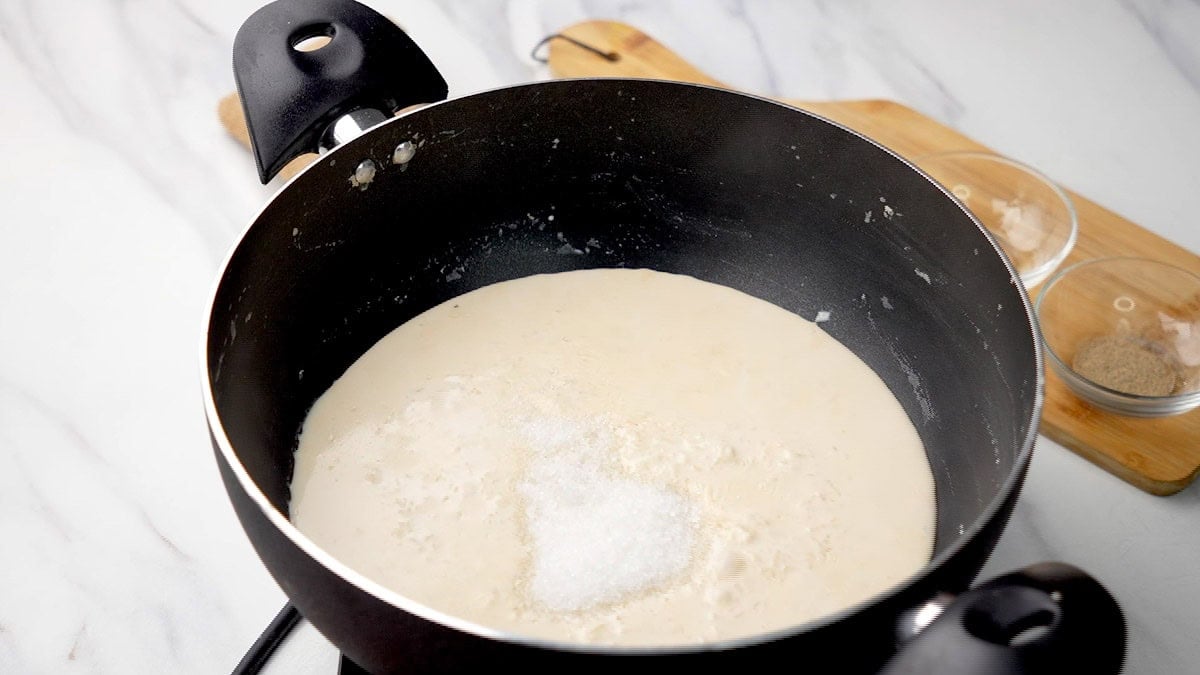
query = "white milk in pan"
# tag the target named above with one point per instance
(616, 457)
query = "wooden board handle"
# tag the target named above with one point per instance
(638, 55)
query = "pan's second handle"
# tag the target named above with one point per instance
(294, 95)
(1048, 618)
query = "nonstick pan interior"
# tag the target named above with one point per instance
(617, 173)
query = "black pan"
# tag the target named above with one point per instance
(724, 187)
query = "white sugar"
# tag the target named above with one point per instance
(597, 536)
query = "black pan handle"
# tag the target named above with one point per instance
(1047, 618)
(292, 97)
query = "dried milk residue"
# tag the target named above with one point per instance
(1021, 223)
(597, 536)
(1185, 336)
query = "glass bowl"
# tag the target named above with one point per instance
(1032, 218)
(1124, 334)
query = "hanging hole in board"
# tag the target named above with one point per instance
(538, 56)
(312, 38)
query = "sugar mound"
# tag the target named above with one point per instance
(597, 536)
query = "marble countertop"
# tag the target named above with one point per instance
(122, 194)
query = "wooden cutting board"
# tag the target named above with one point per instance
(1161, 456)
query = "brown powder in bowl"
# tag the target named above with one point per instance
(1126, 365)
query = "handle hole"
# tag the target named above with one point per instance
(1030, 635)
(312, 38)
(1013, 631)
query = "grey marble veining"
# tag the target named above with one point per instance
(132, 78)
(123, 193)
(1170, 22)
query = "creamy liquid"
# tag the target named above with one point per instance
(616, 457)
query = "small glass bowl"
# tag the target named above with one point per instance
(1124, 334)
(1032, 218)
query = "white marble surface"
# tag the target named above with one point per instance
(122, 193)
